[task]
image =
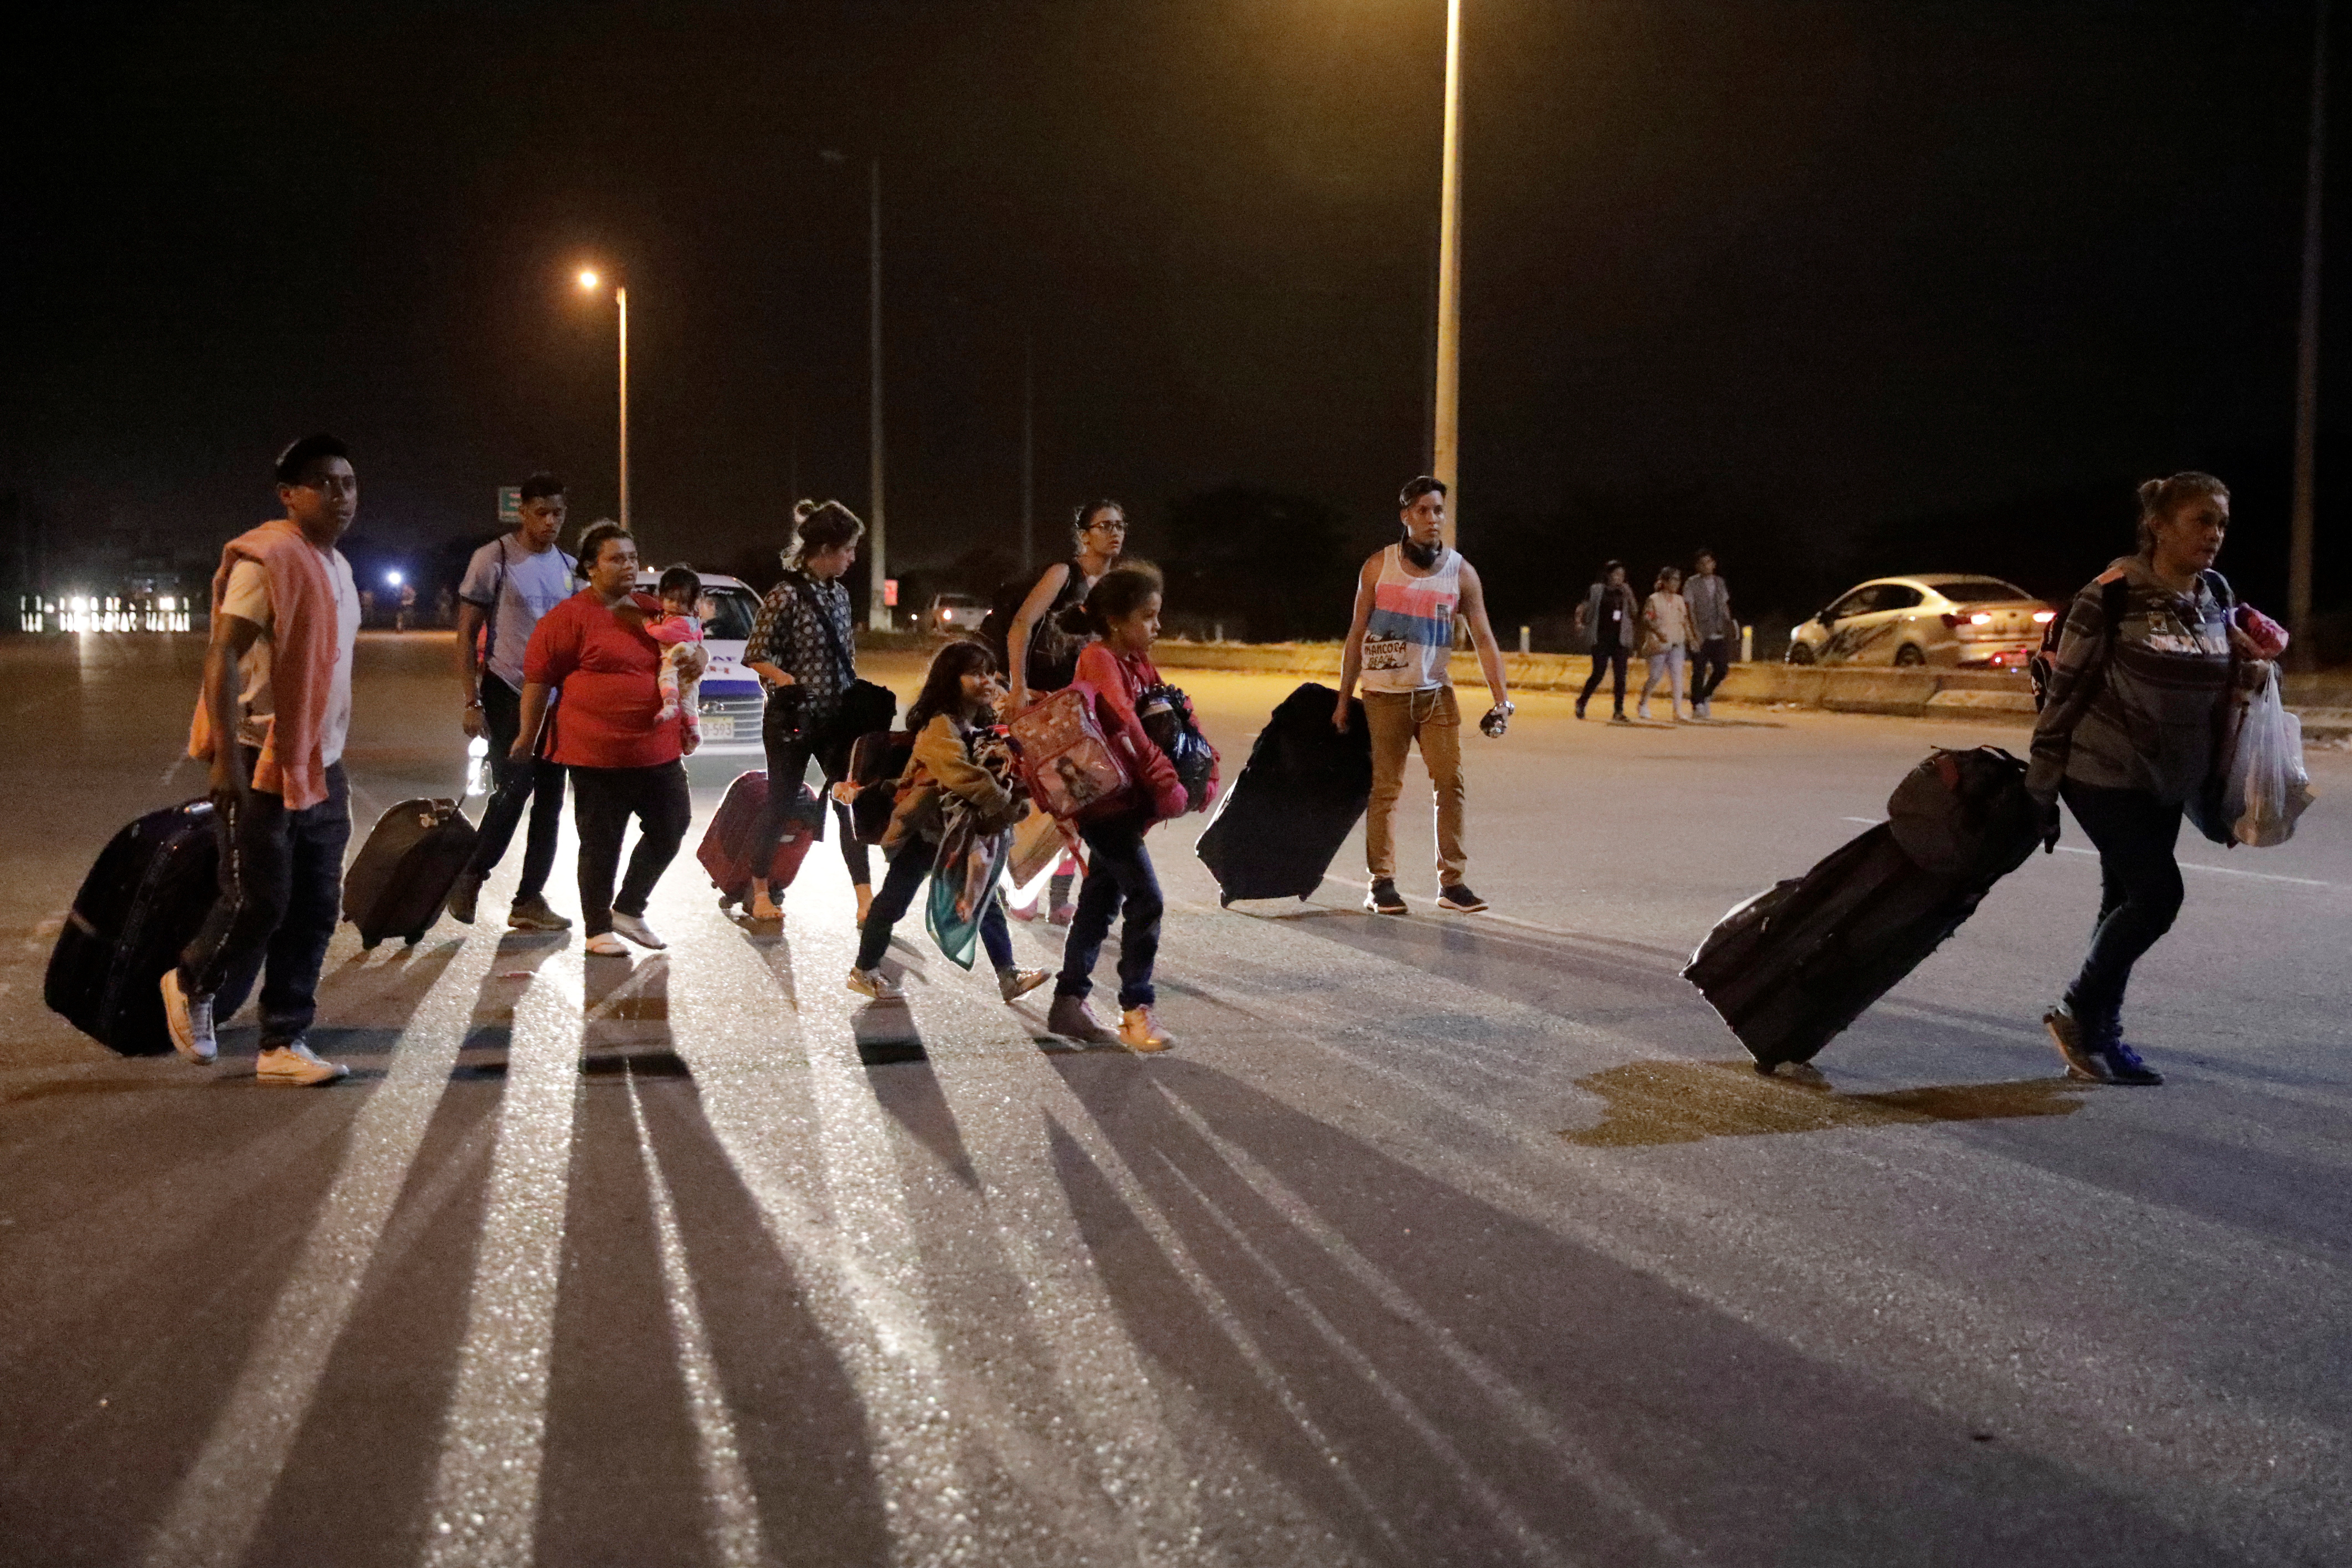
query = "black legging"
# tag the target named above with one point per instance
(2139, 890)
(1604, 655)
(603, 801)
(787, 760)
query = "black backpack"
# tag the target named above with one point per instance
(1054, 645)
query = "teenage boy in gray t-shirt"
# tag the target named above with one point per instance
(511, 582)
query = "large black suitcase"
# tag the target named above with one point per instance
(404, 872)
(141, 905)
(1793, 966)
(1301, 793)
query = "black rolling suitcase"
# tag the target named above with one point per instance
(404, 872)
(1793, 966)
(141, 905)
(1295, 800)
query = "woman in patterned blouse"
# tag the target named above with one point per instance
(804, 652)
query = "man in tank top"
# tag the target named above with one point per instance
(1398, 643)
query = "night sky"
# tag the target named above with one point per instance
(1843, 262)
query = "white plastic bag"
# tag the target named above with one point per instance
(2268, 786)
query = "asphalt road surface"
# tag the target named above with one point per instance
(1440, 1240)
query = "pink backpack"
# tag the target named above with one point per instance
(1072, 767)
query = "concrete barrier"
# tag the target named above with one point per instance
(1974, 694)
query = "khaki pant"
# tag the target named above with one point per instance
(1397, 719)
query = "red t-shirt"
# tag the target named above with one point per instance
(608, 669)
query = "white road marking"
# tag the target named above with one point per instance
(2185, 865)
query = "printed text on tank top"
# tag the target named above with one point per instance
(1409, 632)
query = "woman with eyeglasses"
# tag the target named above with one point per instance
(1041, 653)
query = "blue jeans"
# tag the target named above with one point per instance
(281, 891)
(905, 878)
(1118, 871)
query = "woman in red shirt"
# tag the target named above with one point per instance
(624, 761)
(1124, 607)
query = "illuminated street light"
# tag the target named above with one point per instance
(392, 580)
(588, 284)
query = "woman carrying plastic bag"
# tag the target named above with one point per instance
(2268, 788)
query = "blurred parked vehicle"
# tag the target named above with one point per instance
(1943, 619)
(954, 614)
(731, 698)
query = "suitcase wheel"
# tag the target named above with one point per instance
(368, 943)
(415, 937)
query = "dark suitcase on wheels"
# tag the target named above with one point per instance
(1295, 800)
(404, 872)
(726, 849)
(1793, 966)
(139, 906)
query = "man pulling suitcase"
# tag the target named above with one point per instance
(272, 719)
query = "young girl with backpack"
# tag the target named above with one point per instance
(949, 718)
(1124, 609)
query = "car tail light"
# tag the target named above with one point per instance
(1950, 618)
(2043, 616)
(1981, 618)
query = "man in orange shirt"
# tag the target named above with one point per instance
(274, 712)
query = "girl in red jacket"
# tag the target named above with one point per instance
(1124, 607)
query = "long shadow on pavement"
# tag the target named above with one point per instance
(1437, 1378)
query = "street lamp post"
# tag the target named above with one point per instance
(588, 281)
(1444, 458)
(878, 613)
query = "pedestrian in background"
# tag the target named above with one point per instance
(1124, 610)
(1399, 641)
(509, 585)
(1041, 653)
(1714, 628)
(625, 762)
(275, 713)
(1606, 619)
(804, 649)
(1666, 641)
(2128, 737)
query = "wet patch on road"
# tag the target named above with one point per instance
(1647, 1103)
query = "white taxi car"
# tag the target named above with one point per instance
(731, 698)
(1945, 619)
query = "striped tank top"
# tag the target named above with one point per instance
(1411, 630)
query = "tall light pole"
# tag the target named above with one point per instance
(1444, 439)
(878, 613)
(588, 281)
(2307, 361)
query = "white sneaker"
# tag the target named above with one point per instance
(296, 1064)
(190, 1019)
(874, 983)
(634, 928)
(604, 945)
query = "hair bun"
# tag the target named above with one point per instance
(2148, 491)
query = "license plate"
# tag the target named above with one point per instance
(719, 726)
